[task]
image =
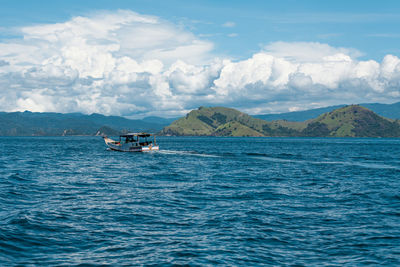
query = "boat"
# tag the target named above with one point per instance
(133, 142)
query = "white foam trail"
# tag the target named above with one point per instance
(277, 159)
(186, 153)
(358, 164)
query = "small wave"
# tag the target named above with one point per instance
(257, 154)
(17, 177)
(228, 154)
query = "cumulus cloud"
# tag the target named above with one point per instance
(292, 80)
(111, 62)
(124, 63)
(306, 51)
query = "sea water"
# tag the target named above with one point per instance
(200, 201)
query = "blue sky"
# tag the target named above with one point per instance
(369, 26)
(258, 56)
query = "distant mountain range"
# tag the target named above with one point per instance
(216, 121)
(348, 121)
(57, 124)
(391, 111)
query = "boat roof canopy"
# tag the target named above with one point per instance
(136, 134)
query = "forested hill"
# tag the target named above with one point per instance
(348, 121)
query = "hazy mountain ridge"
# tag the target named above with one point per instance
(57, 124)
(348, 121)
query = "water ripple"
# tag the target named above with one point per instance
(200, 201)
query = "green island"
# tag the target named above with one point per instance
(348, 121)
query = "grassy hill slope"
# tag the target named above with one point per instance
(349, 121)
(391, 111)
(352, 121)
(221, 121)
(206, 121)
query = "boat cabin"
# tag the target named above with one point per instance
(139, 139)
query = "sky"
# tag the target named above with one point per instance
(140, 58)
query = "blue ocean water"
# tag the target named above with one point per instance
(200, 201)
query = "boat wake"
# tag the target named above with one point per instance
(186, 153)
(358, 164)
(371, 165)
(278, 159)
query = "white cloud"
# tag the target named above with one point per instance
(306, 51)
(124, 63)
(287, 75)
(229, 24)
(111, 62)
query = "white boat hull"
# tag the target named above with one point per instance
(133, 148)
